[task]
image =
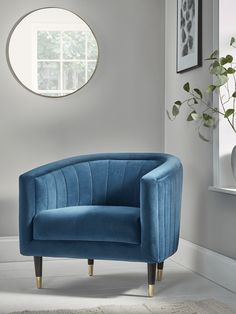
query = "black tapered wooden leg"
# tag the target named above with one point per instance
(151, 278)
(38, 265)
(160, 267)
(90, 267)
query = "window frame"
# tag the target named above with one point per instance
(61, 28)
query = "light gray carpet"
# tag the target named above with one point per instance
(187, 307)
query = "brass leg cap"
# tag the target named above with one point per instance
(151, 290)
(159, 274)
(90, 270)
(39, 282)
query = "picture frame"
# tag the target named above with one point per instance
(189, 35)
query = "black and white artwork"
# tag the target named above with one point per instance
(189, 35)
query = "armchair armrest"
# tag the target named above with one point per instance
(160, 202)
(27, 199)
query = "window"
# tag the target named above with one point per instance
(65, 59)
(224, 137)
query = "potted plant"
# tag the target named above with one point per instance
(201, 110)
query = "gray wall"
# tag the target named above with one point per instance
(208, 218)
(121, 109)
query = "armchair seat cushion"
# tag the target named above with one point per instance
(89, 223)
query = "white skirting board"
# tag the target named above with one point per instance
(207, 263)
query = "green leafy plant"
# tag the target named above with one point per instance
(201, 110)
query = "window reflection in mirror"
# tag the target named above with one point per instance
(53, 52)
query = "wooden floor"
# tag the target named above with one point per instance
(66, 285)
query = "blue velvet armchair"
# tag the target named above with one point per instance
(123, 206)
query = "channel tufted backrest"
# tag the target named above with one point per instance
(99, 182)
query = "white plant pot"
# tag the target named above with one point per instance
(233, 161)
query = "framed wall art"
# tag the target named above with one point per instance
(189, 35)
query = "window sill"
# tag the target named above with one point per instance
(226, 190)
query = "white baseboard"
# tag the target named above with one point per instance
(213, 266)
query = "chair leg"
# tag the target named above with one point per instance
(160, 267)
(90, 267)
(38, 265)
(151, 278)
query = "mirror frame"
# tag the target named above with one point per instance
(12, 70)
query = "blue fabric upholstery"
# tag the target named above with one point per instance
(138, 196)
(87, 223)
(100, 182)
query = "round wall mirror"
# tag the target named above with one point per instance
(52, 52)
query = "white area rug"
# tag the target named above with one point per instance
(187, 307)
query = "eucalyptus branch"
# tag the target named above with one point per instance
(222, 102)
(230, 123)
(215, 110)
(203, 111)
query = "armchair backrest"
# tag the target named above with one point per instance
(94, 182)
